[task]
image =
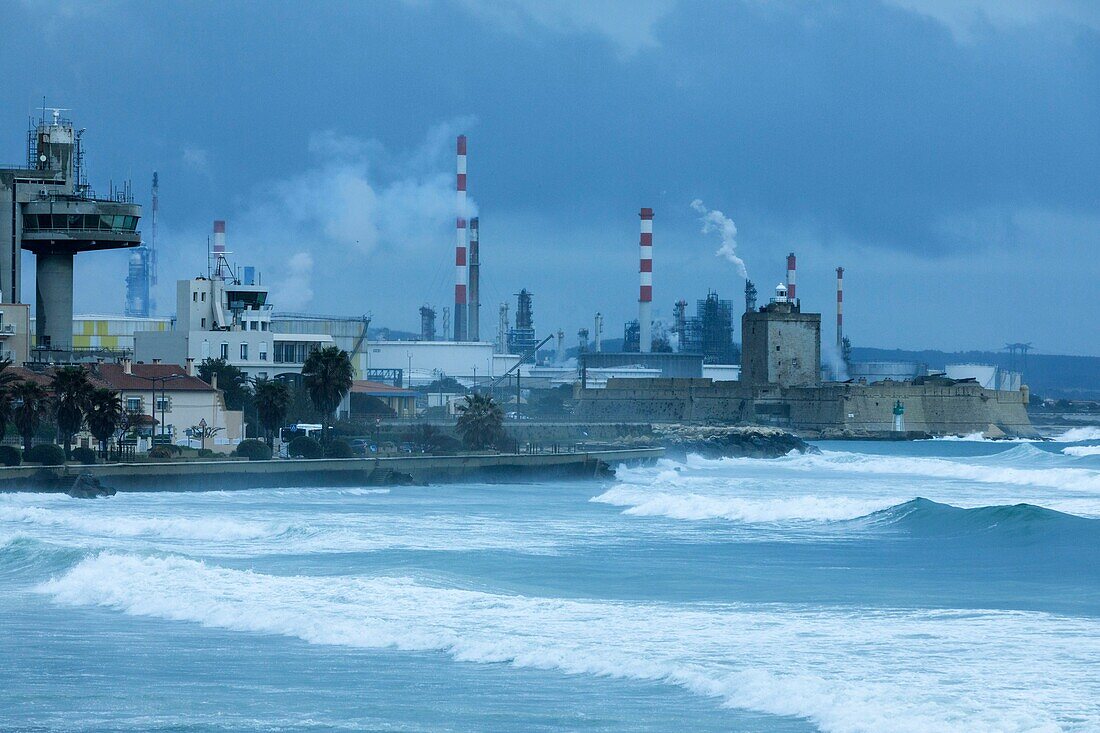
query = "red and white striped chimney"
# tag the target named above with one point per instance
(791, 295)
(460, 244)
(219, 237)
(840, 309)
(645, 293)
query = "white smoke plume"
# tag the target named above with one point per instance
(715, 221)
(832, 359)
(295, 289)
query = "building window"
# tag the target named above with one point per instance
(195, 297)
(133, 404)
(225, 351)
(263, 325)
(263, 351)
(164, 404)
(244, 352)
(204, 297)
(204, 323)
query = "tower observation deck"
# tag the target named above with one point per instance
(51, 211)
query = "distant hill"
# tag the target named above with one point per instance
(1048, 375)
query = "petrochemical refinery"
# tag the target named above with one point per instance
(696, 368)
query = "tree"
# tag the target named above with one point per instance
(7, 378)
(272, 401)
(481, 423)
(31, 403)
(231, 381)
(71, 390)
(327, 377)
(105, 415)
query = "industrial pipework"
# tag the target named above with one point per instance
(645, 294)
(460, 314)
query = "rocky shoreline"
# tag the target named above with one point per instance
(727, 441)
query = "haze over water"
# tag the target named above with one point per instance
(874, 587)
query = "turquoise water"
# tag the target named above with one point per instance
(873, 587)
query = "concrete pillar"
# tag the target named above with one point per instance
(54, 300)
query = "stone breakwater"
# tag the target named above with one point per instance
(726, 441)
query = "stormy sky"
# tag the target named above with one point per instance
(946, 153)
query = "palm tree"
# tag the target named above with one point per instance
(105, 415)
(6, 379)
(71, 390)
(327, 376)
(30, 403)
(272, 401)
(481, 423)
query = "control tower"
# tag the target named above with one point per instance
(55, 215)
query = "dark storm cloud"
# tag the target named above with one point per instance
(910, 138)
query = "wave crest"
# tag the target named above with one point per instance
(784, 660)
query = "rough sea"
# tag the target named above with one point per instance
(947, 585)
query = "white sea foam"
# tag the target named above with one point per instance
(645, 502)
(986, 471)
(847, 671)
(302, 530)
(1080, 451)
(180, 528)
(1077, 435)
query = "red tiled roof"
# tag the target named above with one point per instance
(171, 377)
(113, 377)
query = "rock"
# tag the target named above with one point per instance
(88, 486)
(730, 442)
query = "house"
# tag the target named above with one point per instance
(181, 400)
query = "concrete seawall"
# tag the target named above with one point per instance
(226, 475)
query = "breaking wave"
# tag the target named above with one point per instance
(1081, 451)
(1078, 435)
(644, 502)
(1023, 465)
(773, 658)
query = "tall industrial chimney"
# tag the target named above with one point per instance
(219, 238)
(475, 277)
(840, 310)
(598, 329)
(460, 314)
(219, 252)
(645, 294)
(791, 295)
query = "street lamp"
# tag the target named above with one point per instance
(153, 407)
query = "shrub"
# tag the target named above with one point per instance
(84, 455)
(339, 449)
(47, 454)
(205, 453)
(160, 452)
(10, 456)
(254, 450)
(304, 447)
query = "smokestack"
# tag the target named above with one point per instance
(127, 365)
(475, 282)
(598, 324)
(840, 310)
(219, 238)
(190, 366)
(791, 296)
(645, 294)
(460, 314)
